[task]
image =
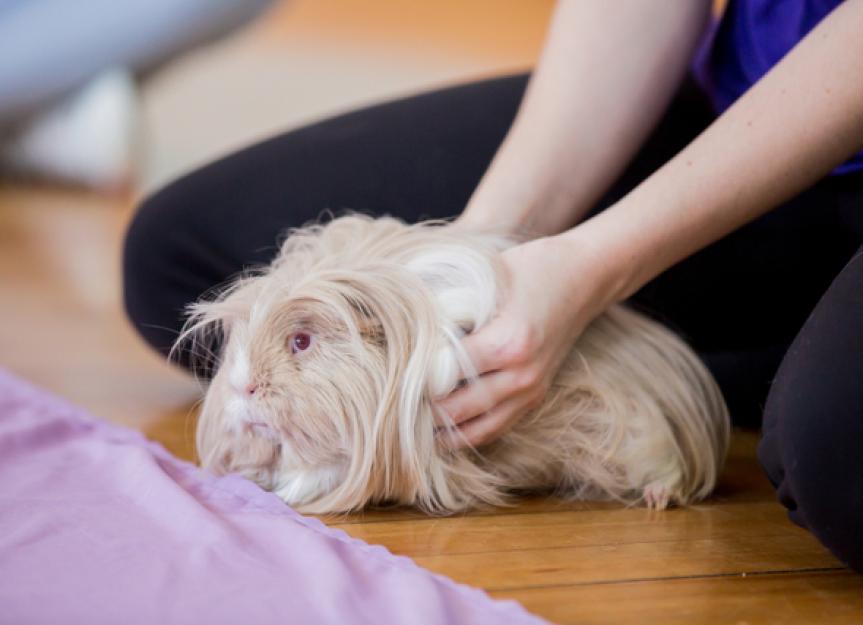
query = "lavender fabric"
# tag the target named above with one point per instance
(99, 525)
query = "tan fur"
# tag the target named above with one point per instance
(633, 414)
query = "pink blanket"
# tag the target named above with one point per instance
(99, 525)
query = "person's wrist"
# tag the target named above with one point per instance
(505, 206)
(526, 211)
(596, 263)
(523, 193)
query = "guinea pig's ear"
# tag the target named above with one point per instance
(368, 324)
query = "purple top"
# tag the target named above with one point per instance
(750, 38)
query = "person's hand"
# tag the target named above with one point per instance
(554, 289)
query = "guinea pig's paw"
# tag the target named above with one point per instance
(300, 487)
(656, 496)
(659, 494)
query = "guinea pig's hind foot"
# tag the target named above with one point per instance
(657, 495)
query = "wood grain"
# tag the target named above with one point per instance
(823, 597)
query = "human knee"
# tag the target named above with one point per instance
(808, 451)
(149, 267)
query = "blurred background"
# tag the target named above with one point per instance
(104, 100)
(307, 59)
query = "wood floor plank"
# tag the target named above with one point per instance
(825, 598)
(585, 528)
(63, 325)
(502, 570)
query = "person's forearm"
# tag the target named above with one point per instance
(606, 74)
(794, 126)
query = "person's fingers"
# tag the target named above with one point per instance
(471, 400)
(500, 343)
(489, 426)
(483, 349)
(481, 395)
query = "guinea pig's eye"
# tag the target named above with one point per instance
(300, 342)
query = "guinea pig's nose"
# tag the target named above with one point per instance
(251, 389)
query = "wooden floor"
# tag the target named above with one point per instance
(735, 559)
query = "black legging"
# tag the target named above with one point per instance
(740, 302)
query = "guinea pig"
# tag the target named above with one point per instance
(330, 359)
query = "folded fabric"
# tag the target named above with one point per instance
(100, 525)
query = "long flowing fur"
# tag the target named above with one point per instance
(633, 414)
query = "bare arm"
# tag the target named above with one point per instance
(607, 72)
(804, 118)
(796, 124)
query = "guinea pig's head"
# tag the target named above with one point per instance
(330, 358)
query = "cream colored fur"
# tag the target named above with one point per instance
(633, 414)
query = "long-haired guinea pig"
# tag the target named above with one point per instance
(330, 359)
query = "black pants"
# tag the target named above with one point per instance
(792, 279)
